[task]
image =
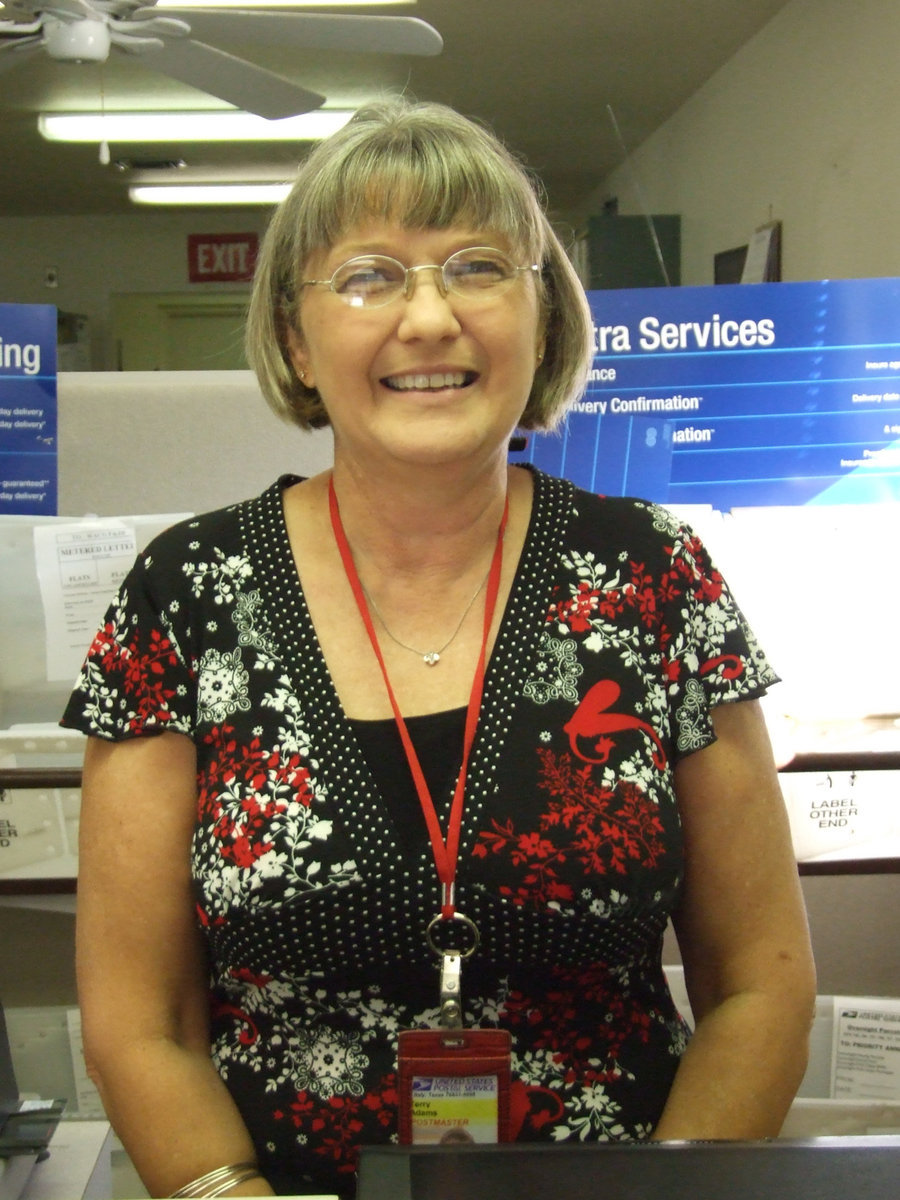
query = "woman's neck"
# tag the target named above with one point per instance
(422, 556)
(430, 521)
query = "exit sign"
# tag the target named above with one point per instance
(221, 257)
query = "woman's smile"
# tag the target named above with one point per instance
(430, 381)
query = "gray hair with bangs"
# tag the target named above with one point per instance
(426, 167)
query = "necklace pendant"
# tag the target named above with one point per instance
(431, 658)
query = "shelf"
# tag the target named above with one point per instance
(809, 762)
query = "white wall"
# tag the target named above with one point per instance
(97, 257)
(802, 125)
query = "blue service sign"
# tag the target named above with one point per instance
(28, 412)
(739, 395)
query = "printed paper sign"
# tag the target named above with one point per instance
(28, 442)
(843, 814)
(865, 1061)
(80, 567)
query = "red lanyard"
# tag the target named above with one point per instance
(446, 852)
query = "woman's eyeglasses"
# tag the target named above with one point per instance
(372, 280)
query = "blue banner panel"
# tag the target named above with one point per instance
(746, 394)
(28, 411)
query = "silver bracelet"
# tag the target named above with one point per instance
(216, 1183)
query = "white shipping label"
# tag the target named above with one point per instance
(865, 1059)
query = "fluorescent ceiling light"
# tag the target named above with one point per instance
(220, 193)
(213, 126)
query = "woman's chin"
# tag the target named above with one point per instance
(441, 443)
(454, 451)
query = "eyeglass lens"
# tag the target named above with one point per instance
(374, 279)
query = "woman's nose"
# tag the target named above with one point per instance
(428, 310)
(412, 276)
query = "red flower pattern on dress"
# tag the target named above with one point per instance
(266, 782)
(553, 1022)
(338, 1127)
(602, 829)
(576, 611)
(141, 674)
(590, 599)
(338, 1121)
(249, 1032)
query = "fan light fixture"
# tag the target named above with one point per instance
(215, 126)
(234, 194)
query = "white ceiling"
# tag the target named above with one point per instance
(542, 72)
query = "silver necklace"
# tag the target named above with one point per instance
(430, 657)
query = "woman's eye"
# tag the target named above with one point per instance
(480, 270)
(365, 279)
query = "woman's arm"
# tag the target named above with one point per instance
(742, 930)
(141, 971)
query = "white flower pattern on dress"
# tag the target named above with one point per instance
(327, 1063)
(222, 688)
(557, 670)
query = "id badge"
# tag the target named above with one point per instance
(454, 1086)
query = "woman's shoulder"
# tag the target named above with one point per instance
(213, 552)
(219, 531)
(623, 523)
(634, 511)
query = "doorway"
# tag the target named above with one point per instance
(179, 331)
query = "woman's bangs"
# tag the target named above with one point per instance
(424, 188)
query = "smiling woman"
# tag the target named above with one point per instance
(426, 710)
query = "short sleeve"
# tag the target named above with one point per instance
(137, 679)
(710, 654)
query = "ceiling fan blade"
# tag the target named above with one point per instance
(150, 27)
(18, 28)
(64, 9)
(132, 44)
(233, 79)
(318, 31)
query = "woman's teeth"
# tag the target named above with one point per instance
(428, 382)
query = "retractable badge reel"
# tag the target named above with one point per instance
(454, 1082)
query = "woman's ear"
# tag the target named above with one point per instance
(299, 357)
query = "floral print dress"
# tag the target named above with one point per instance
(618, 637)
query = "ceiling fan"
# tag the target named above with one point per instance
(177, 44)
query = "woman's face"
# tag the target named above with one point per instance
(429, 380)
